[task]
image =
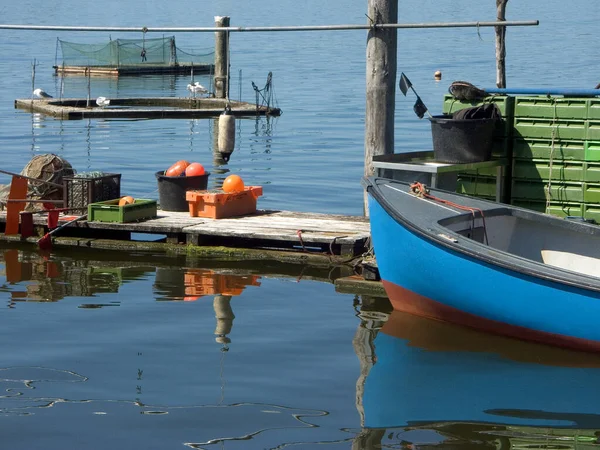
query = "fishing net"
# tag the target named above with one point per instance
(47, 167)
(128, 52)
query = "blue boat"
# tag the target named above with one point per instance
(486, 265)
(429, 373)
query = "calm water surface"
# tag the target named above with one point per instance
(114, 351)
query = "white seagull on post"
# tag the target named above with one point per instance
(197, 88)
(102, 101)
(41, 93)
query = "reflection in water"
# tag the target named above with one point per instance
(436, 385)
(25, 391)
(190, 284)
(38, 277)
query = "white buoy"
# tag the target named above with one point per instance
(226, 140)
(437, 75)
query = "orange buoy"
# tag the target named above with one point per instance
(177, 169)
(194, 169)
(233, 183)
(127, 200)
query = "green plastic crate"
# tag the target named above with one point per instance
(545, 169)
(544, 149)
(593, 109)
(551, 108)
(555, 208)
(593, 130)
(560, 192)
(592, 212)
(503, 102)
(110, 211)
(576, 130)
(484, 187)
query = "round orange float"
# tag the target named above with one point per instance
(177, 169)
(194, 169)
(233, 183)
(127, 200)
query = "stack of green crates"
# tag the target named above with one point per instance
(482, 182)
(556, 152)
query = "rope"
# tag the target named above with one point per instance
(421, 191)
(299, 233)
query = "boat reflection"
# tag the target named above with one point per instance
(437, 385)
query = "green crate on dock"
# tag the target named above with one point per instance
(503, 102)
(593, 109)
(560, 192)
(484, 187)
(592, 212)
(551, 107)
(593, 130)
(591, 172)
(110, 211)
(561, 150)
(526, 127)
(555, 208)
(546, 169)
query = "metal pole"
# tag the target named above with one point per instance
(514, 23)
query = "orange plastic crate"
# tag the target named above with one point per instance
(218, 204)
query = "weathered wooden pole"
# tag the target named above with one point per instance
(221, 79)
(500, 44)
(381, 83)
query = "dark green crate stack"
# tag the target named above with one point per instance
(556, 155)
(482, 182)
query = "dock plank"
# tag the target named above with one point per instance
(265, 228)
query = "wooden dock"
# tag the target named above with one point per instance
(302, 233)
(135, 70)
(142, 108)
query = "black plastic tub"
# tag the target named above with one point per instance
(462, 140)
(171, 190)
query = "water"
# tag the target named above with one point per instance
(102, 351)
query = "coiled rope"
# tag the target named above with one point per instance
(421, 191)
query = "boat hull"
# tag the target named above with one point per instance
(424, 277)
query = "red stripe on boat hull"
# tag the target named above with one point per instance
(407, 301)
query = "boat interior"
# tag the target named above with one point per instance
(568, 244)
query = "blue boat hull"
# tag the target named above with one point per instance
(424, 277)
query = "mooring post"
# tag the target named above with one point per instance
(381, 83)
(221, 79)
(500, 44)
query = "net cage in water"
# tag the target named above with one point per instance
(130, 52)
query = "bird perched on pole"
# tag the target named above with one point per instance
(197, 88)
(40, 93)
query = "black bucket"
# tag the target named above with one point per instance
(171, 190)
(462, 140)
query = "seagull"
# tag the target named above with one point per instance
(102, 101)
(197, 88)
(41, 93)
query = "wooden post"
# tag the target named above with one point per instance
(381, 83)
(500, 44)
(221, 59)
